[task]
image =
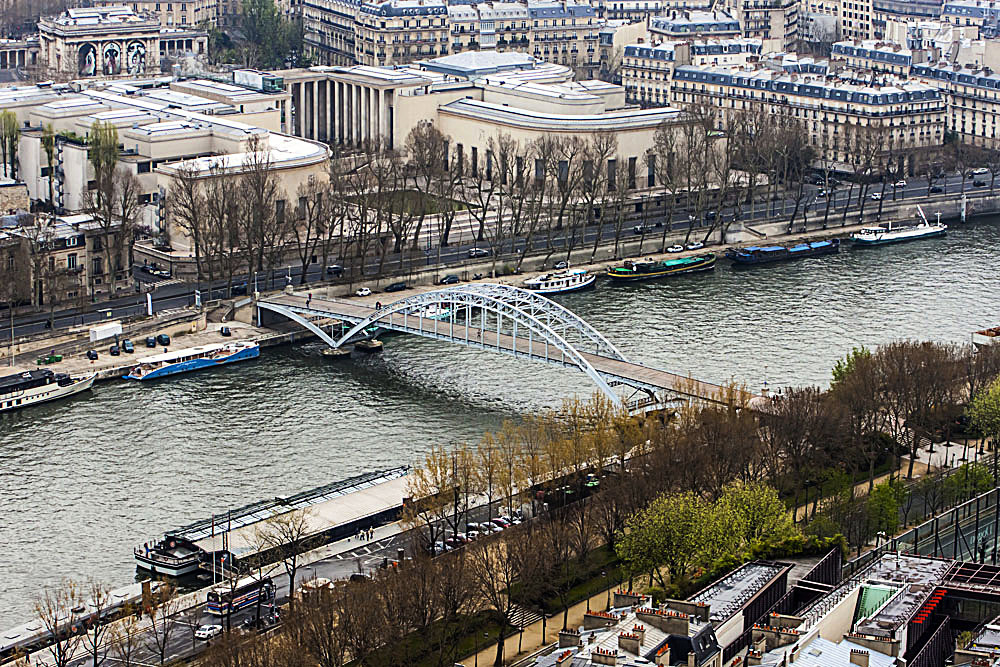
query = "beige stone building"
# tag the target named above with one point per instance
(775, 22)
(206, 125)
(21, 53)
(113, 41)
(472, 97)
(973, 98)
(188, 13)
(911, 114)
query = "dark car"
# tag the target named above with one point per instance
(225, 331)
(335, 270)
(937, 188)
(979, 183)
(150, 341)
(127, 346)
(115, 351)
(163, 340)
(240, 289)
(642, 229)
(396, 287)
(92, 355)
(450, 279)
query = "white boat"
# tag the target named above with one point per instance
(896, 233)
(431, 313)
(558, 283)
(192, 359)
(39, 386)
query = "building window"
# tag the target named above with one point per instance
(612, 169)
(98, 267)
(71, 261)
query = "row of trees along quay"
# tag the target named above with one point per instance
(666, 502)
(384, 210)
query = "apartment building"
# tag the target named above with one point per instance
(565, 33)
(973, 99)
(911, 114)
(876, 56)
(489, 25)
(776, 22)
(901, 10)
(690, 24)
(612, 39)
(394, 32)
(647, 69)
(983, 14)
(328, 30)
(189, 13)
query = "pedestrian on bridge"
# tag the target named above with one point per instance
(309, 299)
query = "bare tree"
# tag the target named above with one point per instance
(287, 535)
(310, 220)
(54, 608)
(126, 639)
(162, 613)
(95, 638)
(185, 207)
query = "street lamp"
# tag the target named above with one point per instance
(604, 577)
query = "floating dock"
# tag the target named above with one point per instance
(333, 511)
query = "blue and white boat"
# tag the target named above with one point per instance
(560, 283)
(193, 359)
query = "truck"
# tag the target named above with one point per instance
(105, 330)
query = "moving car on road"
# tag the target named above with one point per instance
(363, 291)
(478, 252)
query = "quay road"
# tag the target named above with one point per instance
(335, 561)
(175, 294)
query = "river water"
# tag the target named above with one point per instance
(82, 482)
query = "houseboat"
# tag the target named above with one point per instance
(561, 282)
(754, 255)
(649, 269)
(39, 386)
(193, 359)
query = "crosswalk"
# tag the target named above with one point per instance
(160, 283)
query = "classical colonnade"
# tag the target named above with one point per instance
(342, 112)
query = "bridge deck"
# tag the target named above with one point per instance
(627, 372)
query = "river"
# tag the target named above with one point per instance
(83, 481)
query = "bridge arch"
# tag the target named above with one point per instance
(543, 319)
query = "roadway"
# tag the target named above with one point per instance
(171, 294)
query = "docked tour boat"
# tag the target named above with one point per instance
(172, 556)
(561, 282)
(648, 269)
(779, 253)
(192, 359)
(39, 386)
(895, 233)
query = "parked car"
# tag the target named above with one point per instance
(127, 346)
(240, 289)
(560, 266)
(899, 184)
(675, 248)
(440, 547)
(114, 351)
(92, 355)
(642, 229)
(695, 245)
(225, 331)
(876, 196)
(335, 270)
(450, 279)
(979, 183)
(478, 252)
(163, 340)
(980, 171)
(710, 215)
(207, 631)
(936, 188)
(363, 291)
(396, 287)
(150, 341)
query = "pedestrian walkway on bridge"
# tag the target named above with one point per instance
(511, 321)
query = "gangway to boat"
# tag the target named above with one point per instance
(511, 321)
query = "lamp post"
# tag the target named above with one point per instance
(604, 576)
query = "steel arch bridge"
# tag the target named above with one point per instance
(489, 316)
(503, 319)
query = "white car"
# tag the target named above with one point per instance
(207, 631)
(695, 245)
(364, 291)
(876, 196)
(900, 184)
(675, 248)
(980, 171)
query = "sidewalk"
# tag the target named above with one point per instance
(532, 639)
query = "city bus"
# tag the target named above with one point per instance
(223, 600)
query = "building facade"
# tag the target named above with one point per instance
(973, 98)
(874, 55)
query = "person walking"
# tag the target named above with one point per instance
(309, 299)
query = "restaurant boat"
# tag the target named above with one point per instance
(649, 269)
(193, 359)
(561, 282)
(753, 255)
(39, 386)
